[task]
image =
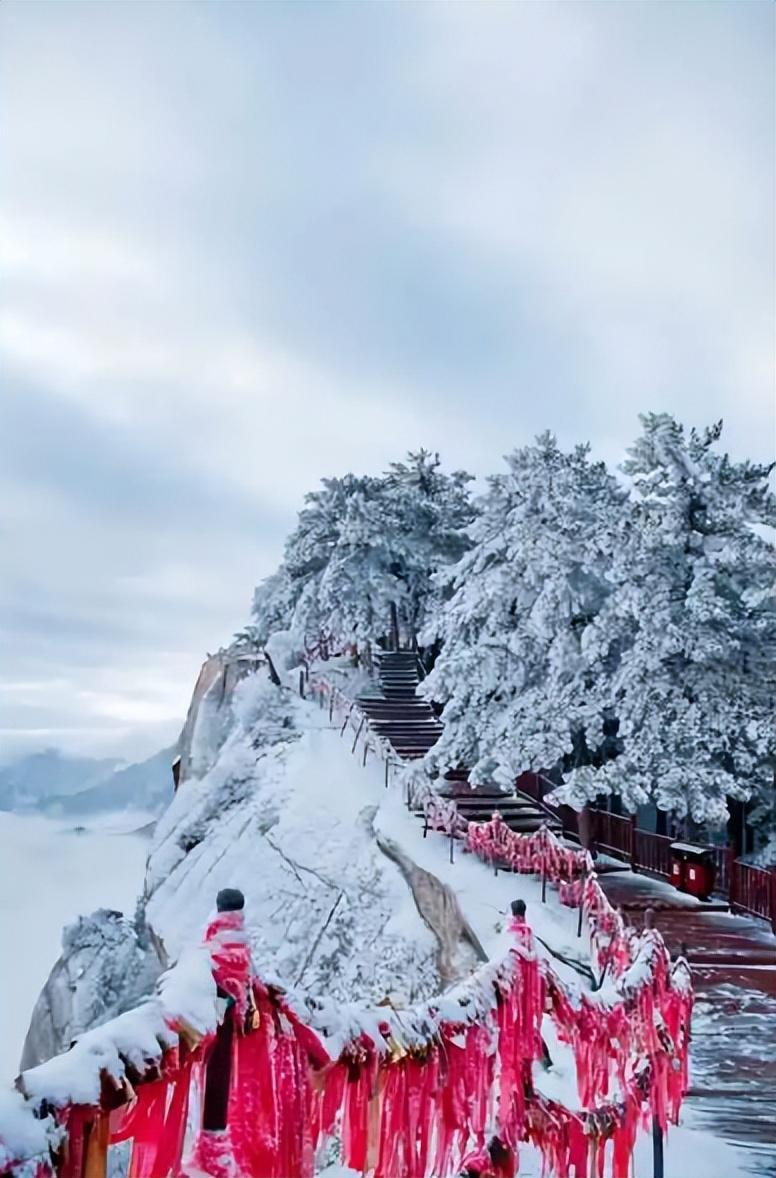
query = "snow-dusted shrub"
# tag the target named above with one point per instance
(263, 711)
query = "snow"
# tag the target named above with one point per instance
(22, 1136)
(186, 997)
(484, 896)
(309, 821)
(50, 875)
(291, 826)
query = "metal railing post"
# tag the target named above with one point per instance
(657, 1149)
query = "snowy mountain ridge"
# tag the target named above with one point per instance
(54, 783)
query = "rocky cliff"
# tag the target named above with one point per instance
(270, 800)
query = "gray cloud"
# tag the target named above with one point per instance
(244, 246)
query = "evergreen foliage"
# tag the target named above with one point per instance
(363, 548)
(623, 636)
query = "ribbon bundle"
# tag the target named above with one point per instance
(447, 1085)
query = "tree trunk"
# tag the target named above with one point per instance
(272, 672)
(394, 626)
(586, 829)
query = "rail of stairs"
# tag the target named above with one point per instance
(398, 715)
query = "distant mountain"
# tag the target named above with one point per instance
(27, 782)
(146, 785)
(58, 785)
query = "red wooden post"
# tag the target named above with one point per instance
(773, 899)
(733, 886)
(730, 858)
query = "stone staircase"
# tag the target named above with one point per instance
(410, 726)
(397, 713)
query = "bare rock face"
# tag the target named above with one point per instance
(459, 950)
(208, 718)
(107, 965)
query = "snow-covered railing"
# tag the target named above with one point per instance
(573, 873)
(418, 1091)
(351, 717)
(48, 1125)
(646, 851)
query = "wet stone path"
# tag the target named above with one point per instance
(733, 959)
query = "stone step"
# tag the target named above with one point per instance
(504, 809)
(392, 707)
(421, 727)
(406, 737)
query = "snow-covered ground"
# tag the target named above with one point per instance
(300, 825)
(49, 875)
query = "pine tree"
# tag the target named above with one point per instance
(519, 680)
(360, 581)
(430, 512)
(365, 550)
(693, 615)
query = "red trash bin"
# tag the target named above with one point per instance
(694, 867)
(677, 871)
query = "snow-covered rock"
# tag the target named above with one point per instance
(286, 813)
(107, 965)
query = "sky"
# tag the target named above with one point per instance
(244, 246)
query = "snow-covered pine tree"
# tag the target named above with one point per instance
(289, 598)
(693, 612)
(365, 549)
(360, 584)
(272, 608)
(431, 513)
(395, 535)
(520, 688)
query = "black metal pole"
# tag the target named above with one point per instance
(657, 1149)
(218, 1071)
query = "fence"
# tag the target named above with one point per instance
(613, 833)
(652, 853)
(753, 889)
(747, 888)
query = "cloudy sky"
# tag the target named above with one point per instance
(247, 245)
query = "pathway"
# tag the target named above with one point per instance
(733, 1085)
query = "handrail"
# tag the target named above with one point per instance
(746, 887)
(157, 1042)
(501, 1004)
